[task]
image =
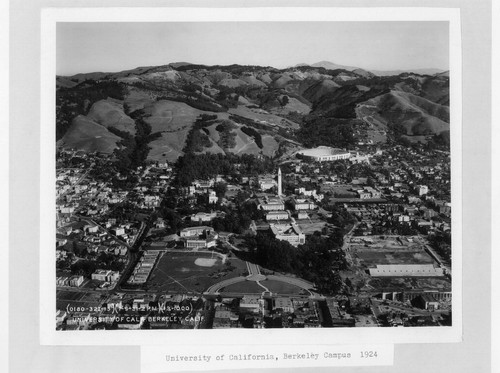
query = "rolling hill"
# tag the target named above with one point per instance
(279, 106)
(85, 134)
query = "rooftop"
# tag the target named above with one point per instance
(322, 151)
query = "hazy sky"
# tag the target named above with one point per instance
(110, 47)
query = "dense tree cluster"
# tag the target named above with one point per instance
(334, 132)
(441, 243)
(227, 138)
(134, 150)
(318, 260)
(196, 140)
(196, 100)
(77, 100)
(248, 122)
(103, 261)
(256, 136)
(206, 166)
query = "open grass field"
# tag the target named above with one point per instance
(178, 272)
(263, 117)
(169, 146)
(309, 226)
(282, 287)
(246, 287)
(110, 113)
(165, 115)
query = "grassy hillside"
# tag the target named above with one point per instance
(85, 134)
(110, 113)
(304, 105)
(414, 115)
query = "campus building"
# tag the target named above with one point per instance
(288, 232)
(199, 237)
(406, 270)
(277, 215)
(271, 204)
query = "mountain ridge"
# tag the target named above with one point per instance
(278, 108)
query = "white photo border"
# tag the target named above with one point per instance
(310, 336)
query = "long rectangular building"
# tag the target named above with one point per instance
(406, 270)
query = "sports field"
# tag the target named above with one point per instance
(374, 257)
(372, 250)
(192, 271)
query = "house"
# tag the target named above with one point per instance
(121, 251)
(76, 281)
(100, 275)
(362, 194)
(203, 184)
(422, 189)
(203, 217)
(159, 223)
(212, 197)
(425, 301)
(91, 228)
(118, 231)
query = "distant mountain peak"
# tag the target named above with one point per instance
(333, 66)
(179, 64)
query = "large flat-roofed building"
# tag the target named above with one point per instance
(277, 215)
(271, 204)
(199, 237)
(196, 231)
(288, 232)
(267, 183)
(303, 204)
(406, 270)
(325, 154)
(197, 243)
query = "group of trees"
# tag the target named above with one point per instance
(77, 100)
(134, 150)
(318, 260)
(102, 261)
(441, 243)
(190, 167)
(317, 131)
(253, 133)
(227, 138)
(196, 140)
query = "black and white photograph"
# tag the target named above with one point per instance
(214, 175)
(251, 187)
